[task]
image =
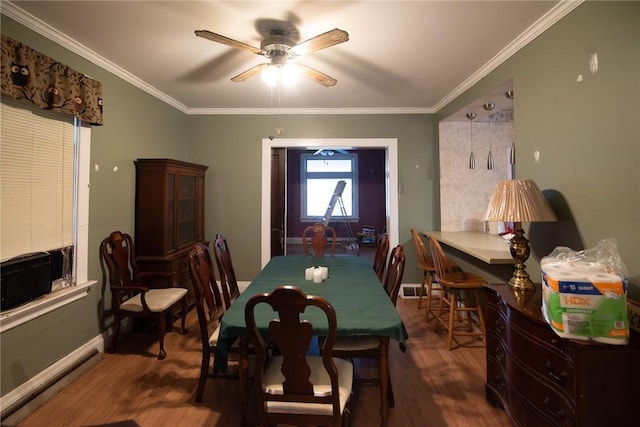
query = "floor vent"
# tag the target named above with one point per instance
(413, 290)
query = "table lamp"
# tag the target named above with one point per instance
(518, 201)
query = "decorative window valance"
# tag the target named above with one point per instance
(30, 76)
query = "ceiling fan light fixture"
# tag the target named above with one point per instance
(285, 75)
(270, 75)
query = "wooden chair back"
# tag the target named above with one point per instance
(314, 237)
(380, 256)
(443, 267)
(394, 273)
(209, 308)
(228, 281)
(425, 262)
(130, 296)
(292, 336)
(209, 303)
(118, 252)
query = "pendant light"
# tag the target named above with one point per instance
(472, 159)
(512, 153)
(488, 106)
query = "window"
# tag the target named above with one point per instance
(40, 171)
(321, 171)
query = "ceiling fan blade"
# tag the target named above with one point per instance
(321, 41)
(316, 76)
(246, 75)
(226, 40)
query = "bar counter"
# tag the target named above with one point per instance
(490, 248)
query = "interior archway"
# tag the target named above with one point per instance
(391, 179)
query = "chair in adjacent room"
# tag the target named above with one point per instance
(294, 387)
(209, 308)
(228, 280)
(460, 300)
(380, 255)
(132, 295)
(428, 269)
(371, 347)
(315, 241)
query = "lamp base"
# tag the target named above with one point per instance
(520, 280)
(521, 283)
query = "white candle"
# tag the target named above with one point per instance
(325, 272)
(317, 275)
(308, 273)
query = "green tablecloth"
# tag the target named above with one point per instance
(361, 304)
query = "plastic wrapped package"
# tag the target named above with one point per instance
(584, 293)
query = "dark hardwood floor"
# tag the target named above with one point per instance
(432, 385)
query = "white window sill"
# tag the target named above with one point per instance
(45, 304)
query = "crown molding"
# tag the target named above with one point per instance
(550, 18)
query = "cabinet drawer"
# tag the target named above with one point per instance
(548, 398)
(536, 347)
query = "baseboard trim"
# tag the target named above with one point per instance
(28, 396)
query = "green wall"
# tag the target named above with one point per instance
(136, 125)
(231, 146)
(587, 134)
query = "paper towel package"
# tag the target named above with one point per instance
(584, 300)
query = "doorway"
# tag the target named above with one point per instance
(391, 179)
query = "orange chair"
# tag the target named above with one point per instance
(317, 240)
(428, 269)
(460, 297)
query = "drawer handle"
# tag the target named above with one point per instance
(499, 354)
(499, 326)
(557, 412)
(560, 378)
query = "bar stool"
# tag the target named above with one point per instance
(460, 297)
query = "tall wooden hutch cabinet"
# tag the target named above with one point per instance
(169, 216)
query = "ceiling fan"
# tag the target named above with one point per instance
(280, 48)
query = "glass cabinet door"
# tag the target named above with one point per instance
(186, 226)
(171, 208)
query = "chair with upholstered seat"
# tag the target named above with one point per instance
(370, 347)
(428, 269)
(294, 387)
(133, 294)
(209, 308)
(228, 281)
(315, 241)
(460, 300)
(380, 255)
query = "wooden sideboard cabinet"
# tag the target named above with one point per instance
(541, 379)
(169, 216)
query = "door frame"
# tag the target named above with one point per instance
(391, 180)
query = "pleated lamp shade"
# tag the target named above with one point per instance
(518, 200)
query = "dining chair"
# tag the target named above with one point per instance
(294, 387)
(228, 281)
(133, 293)
(373, 347)
(380, 255)
(209, 308)
(428, 269)
(460, 299)
(315, 241)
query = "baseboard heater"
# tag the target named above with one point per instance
(28, 403)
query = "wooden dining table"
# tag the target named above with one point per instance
(362, 308)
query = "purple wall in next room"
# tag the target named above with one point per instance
(371, 197)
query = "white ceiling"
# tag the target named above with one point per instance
(401, 57)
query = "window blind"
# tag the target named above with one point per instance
(36, 181)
